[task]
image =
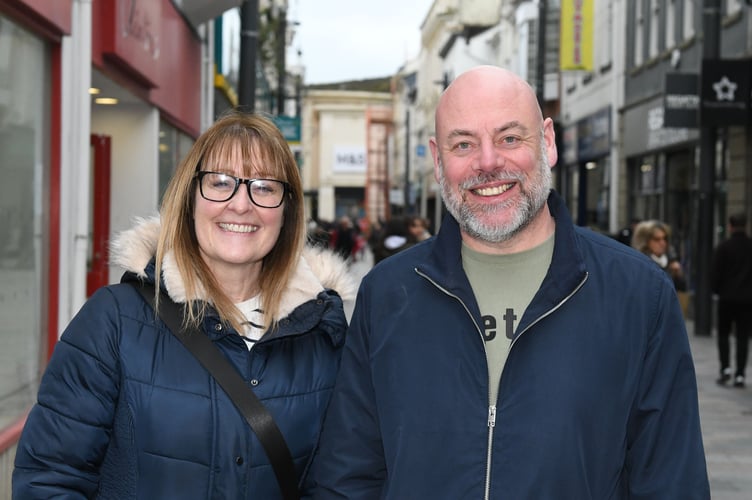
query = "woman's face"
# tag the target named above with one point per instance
(658, 243)
(235, 235)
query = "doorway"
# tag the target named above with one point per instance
(97, 274)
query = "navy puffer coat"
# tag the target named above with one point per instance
(125, 411)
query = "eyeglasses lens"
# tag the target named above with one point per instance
(266, 193)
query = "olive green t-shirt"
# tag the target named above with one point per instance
(504, 285)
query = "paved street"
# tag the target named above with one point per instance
(726, 414)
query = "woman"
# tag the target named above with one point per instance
(124, 410)
(652, 238)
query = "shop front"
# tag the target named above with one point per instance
(587, 170)
(662, 165)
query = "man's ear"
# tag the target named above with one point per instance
(550, 137)
(436, 158)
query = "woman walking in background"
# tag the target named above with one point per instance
(653, 238)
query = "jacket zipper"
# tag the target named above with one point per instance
(491, 425)
(492, 407)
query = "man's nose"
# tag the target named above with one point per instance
(489, 157)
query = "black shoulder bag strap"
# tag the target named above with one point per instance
(259, 418)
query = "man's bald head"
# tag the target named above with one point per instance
(487, 86)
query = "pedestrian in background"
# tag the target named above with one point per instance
(731, 280)
(343, 237)
(625, 234)
(598, 397)
(394, 237)
(653, 238)
(418, 227)
(124, 409)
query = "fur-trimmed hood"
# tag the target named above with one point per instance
(317, 269)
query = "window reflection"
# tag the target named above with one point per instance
(24, 163)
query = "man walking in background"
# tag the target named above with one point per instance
(732, 281)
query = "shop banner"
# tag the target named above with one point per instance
(576, 35)
(725, 92)
(681, 100)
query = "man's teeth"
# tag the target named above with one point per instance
(492, 191)
(238, 228)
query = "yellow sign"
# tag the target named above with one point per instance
(576, 42)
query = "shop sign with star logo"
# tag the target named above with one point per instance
(725, 92)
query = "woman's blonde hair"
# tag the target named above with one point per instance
(644, 232)
(264, 153)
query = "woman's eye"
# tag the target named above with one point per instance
(223, 183)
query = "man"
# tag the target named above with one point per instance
(732, 281)
(513, 355)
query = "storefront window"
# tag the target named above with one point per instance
(647, 179)
(598, 189)
(173, 146)
(24, 191)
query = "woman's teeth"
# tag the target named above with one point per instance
(238, 228)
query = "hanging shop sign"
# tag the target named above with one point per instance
(681, 100)
(725, 92)
(576, 35)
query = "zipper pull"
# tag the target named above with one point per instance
(492, 416)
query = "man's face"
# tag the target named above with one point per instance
(492, 157)
(481, 205)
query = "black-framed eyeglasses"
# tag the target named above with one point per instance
(219, 187)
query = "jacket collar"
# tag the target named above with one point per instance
(317, 269)
(565, 274)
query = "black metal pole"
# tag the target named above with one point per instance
(249, 34)
(281, 61)
(408, 208)
(540, 59)
(711, 49)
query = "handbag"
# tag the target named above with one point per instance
(258, 417)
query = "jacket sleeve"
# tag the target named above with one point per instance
(67, 431)
(349, 462)
(665, 455)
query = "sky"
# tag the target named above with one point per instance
(354, 39)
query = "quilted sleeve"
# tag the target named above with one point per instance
(66, 434)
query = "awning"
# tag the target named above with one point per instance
(200, 11)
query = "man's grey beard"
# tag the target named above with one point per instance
(534, 198)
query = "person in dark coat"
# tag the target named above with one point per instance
(513, 355)
(344, 237)
(731, 280)
(124, 410)
(394, 237)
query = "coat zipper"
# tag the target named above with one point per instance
(491, 425)
(492, 407)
